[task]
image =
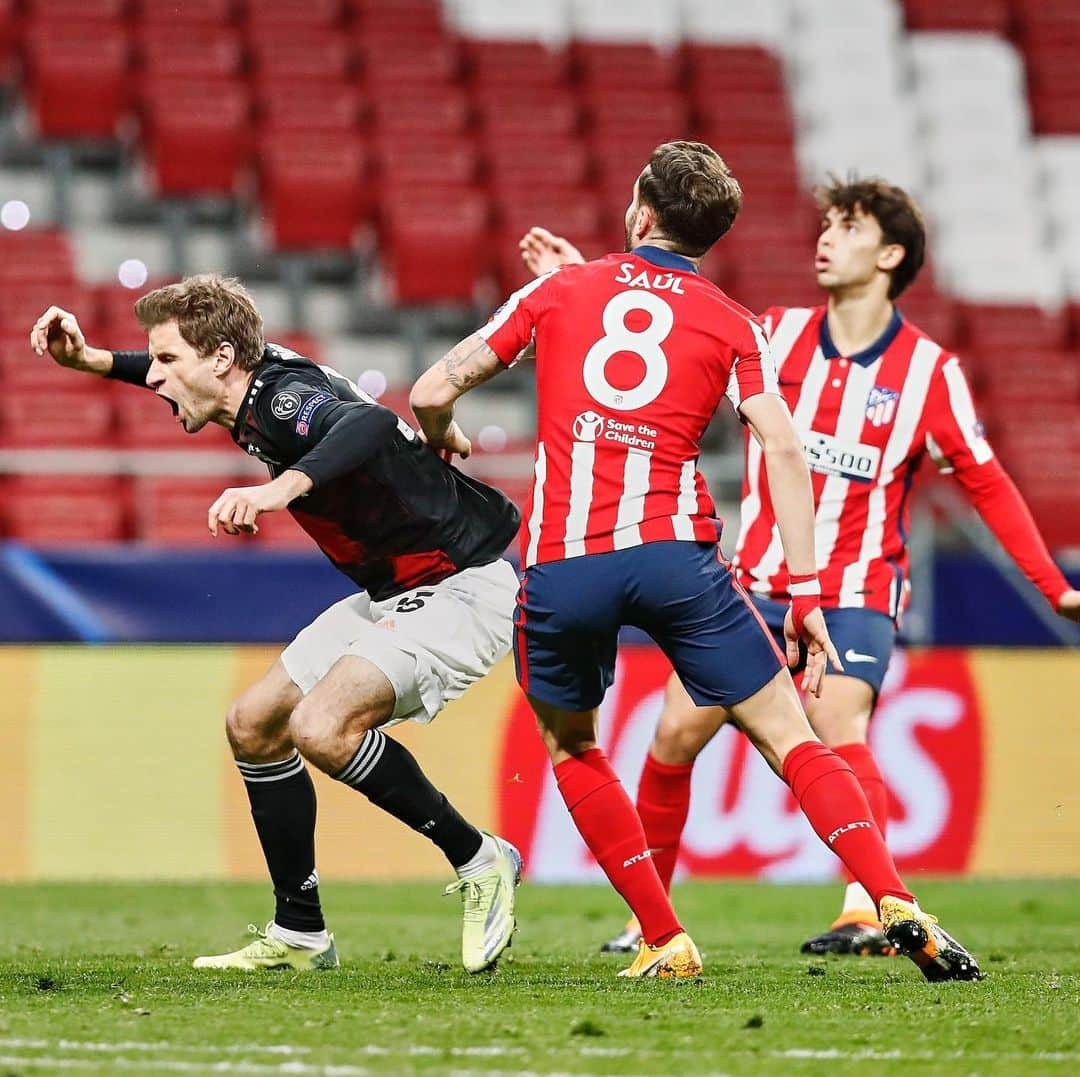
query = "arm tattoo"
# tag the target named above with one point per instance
(459, 357)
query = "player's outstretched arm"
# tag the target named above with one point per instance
(958, 445)
(793, 503)
(468, 364)
(58, 334)
(543, 251)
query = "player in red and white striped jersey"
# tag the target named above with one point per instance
(633, 354)
(872, 397)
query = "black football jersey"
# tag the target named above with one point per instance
(385, 509)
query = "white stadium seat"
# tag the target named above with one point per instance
(512, 19)
(738, 22)
(629, 20)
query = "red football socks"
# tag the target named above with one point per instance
(663, 803)
(830, 797)
(867, 773)
(611, 829)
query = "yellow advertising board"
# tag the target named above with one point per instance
(116, 767)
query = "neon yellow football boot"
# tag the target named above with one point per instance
(267, 952)
(678, 957)
(488, 908)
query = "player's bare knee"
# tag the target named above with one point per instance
(836, 729)
(312, 730)
(256, 733)
(680, 736)
(842, 714)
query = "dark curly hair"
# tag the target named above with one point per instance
(894, 210)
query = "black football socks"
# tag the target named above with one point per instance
(388, 775)
(283, 806)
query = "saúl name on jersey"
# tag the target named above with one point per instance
(655, 282)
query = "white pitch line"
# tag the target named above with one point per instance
(286, 1069)
(834, 1054)
(166, 1065)
(165, 1047)
(155, 1045)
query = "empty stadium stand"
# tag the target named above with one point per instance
(370, 164)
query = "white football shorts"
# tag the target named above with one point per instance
(431, 642)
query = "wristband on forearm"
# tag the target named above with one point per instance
(805, 592)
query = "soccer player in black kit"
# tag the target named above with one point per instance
(422, 540)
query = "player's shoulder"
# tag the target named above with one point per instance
(923, 344)
(794, 319)
(284, 381)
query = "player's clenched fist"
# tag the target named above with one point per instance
(237, 509)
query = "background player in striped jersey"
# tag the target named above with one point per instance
(633, 354)
(424, 543)
(871, 396)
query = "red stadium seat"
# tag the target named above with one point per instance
(416, 20)
(69, 417)
(310, 347)
(385, 65)
(1012, 376)
(36, 256)
(446, 160)
(569, 212)
(418, 111)
(295, 51)
(66, 509)
(655, 116)
(10, 27)
(198, 135)
(79, 10)
(308, 106)
(21, 369)
(732, 69)
(979, 16)
(213, 52)
(510, 111)
(435, 253)
(497, 65)
(935, 315)
(22, 304)
(173, 511)
(736, 118)
(576, 214)
(302, 170)
(317, 13)
(536, 161)
(621, 65)
(780, 287)
(188, 13)
(1000, 326)
(115, 308)
(91, 55)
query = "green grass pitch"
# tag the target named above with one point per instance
(96, 979)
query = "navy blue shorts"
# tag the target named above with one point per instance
(864, 639)
(569, 614)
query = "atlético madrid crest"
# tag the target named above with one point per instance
(881, 405)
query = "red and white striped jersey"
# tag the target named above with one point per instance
(867, 421)
(633, 354)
